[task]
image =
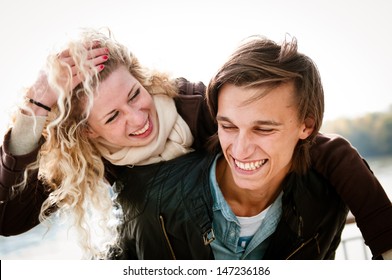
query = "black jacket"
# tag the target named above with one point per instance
(167, 213)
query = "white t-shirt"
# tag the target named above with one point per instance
(249, 226)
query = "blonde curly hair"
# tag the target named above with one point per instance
(69, 164)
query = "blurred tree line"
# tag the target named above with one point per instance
(371, 134)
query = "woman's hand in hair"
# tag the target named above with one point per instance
(41, 96)
(96, 56)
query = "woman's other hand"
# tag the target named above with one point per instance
(42, 96)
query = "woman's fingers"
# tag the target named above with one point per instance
(100, 59)
(97, 56)
(77, 78)
(66, 57)
(93, 53)
(97, 62)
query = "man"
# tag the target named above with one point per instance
(268, 102)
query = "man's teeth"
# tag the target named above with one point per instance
(250, 166)
(141, 131)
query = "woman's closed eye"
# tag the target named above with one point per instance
(116, 113)
(112, 118)
(134, 96)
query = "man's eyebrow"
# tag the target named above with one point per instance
(259, 122)
(221, 118)
(268, 122)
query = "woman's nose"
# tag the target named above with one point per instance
(135, 116)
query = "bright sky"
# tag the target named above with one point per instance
(349, 40)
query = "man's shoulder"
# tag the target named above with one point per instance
(311, 192)
(188, 167)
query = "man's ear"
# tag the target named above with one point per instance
(307, 128)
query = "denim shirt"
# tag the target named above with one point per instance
(227, 227)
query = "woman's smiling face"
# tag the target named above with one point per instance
(124, 112)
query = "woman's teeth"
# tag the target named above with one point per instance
(250, 166)
(142, 130)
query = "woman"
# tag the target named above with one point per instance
(125, 130)
(100, 113)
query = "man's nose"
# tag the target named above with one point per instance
(243, 146)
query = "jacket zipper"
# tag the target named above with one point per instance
(166, 237)
(304, 244)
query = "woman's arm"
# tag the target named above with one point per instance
(335, 158)
(20, 206)
(193, 109)
(19, 212)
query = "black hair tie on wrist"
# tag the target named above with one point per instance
(39, 104)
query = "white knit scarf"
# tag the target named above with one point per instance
(174, 139)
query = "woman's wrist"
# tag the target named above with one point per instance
(40, 97)
(38, 107)
(31, 109)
